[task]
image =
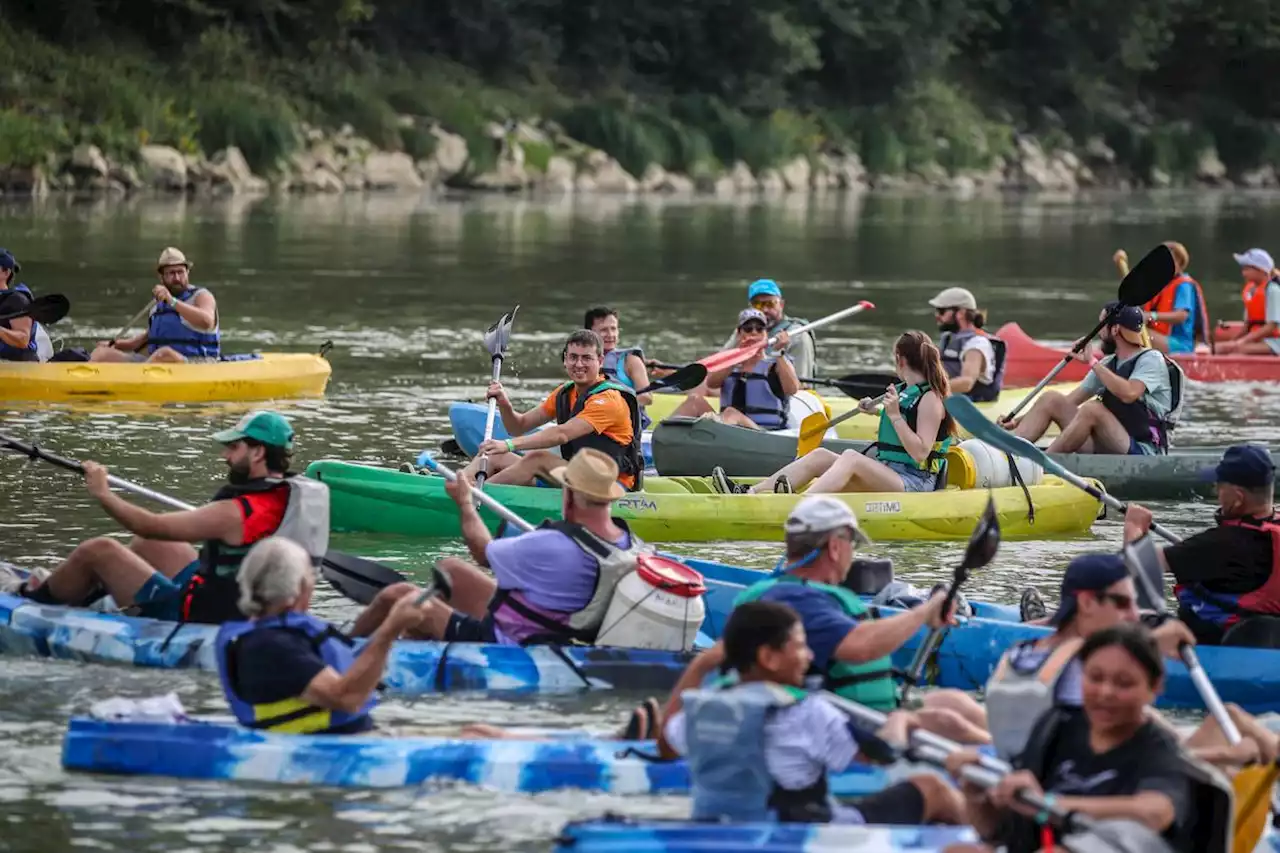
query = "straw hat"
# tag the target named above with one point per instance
(591, 474)
(172, 257)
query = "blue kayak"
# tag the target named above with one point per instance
(202, 750)
(467, 421)
(619, 835)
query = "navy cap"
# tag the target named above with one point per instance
(1245, 465)
(1127, 316)
(8, 261)
(1092, 572)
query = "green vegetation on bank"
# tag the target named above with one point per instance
(693, 87)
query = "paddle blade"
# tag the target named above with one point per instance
(859, 385)
(812, 429)
(686, 378)
(1252, 787)
(499, 334)
(971, 418)
(357, 578)
(729, 358)
(47, 309)
(985, 539)
(1149, 277)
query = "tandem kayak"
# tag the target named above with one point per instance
(209, 750)
(272, 375)
(614, 834)
(684, 447)
(370, 499)
(1027, 361)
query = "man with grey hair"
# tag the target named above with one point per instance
(286, 671)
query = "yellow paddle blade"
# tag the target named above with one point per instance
(811, 432)
(1252, 786)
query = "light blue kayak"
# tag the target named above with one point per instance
(619, 835)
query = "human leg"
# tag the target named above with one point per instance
(525, 470)
(1093, 430)
(733, 417)
(695, 405)
(1051, 408)
(799, 472)
(854, 472)
(98, 562)
(167, 355)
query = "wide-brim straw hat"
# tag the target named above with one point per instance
(591, 474)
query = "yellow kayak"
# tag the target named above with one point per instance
(864, 426)
(275, 374)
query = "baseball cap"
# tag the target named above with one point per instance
(763, 287)
(1259, 258)
(8, 261)
(746, 315)
(1130, 320)
(265, 426)
(1246, 465)
(954, 297)
(820, 513)
(1092, 572)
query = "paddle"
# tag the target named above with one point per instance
(1140, 286)
(684, 379)
(815, 426)
(47, 309)
(114, 339)
(355, 577)
(971, 418)
(728, 358)
(497, 508)
(441, 585)
(855, 385)
(495, 341)
(981, 550)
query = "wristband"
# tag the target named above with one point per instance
(1043, 816)
(511, 445)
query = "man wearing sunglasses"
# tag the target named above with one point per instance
(973, 359)
(765, 296)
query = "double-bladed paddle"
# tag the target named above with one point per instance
(728, 358)
(815, 426)
(684, 379)
(981, 550)
(146, 309)
(1140, 286)
(47, 309)
(855, 385)
(495, 341)
(355, 577)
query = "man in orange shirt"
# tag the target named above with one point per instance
(588, 410)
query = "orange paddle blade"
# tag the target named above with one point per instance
(729, 358)
(1252, 787)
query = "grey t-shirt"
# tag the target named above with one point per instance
(1152, 372)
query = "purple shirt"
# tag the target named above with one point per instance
(547, 571)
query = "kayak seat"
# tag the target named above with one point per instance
(1256, 632)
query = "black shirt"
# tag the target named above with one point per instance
(10, 302)
(271, 666)
(1224, 559)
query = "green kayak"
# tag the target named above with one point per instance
(689, 448)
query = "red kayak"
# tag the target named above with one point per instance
(1028, 361)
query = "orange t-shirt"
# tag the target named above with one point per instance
(608, 415)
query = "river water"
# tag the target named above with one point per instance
(404, 288)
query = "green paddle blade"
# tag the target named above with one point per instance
(971, 418)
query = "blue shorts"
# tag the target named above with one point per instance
(913, 479)
(161, 597)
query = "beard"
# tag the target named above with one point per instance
(1108, 346)
(952, 327)
(238, 473)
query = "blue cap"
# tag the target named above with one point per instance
(1127, 316)
(763, 287)
(1246, 465)
(8, 261)
(1092, 572)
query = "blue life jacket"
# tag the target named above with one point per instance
(752, 394)
(951, 348)
(614, 367)
(724, 733)
(168, 329)
(12, 353)
(288, 716)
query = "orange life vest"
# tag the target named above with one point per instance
(1255, 305)
(1164, 301)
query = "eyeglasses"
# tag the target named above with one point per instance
(940, 311)
(575, 358)
(752, 327)
(763, 303)
(1120, 600)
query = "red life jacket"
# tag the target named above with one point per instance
(1255, 305)
(1266, 598)
(1164, 302)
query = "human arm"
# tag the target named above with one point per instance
(874, 638)
(200, 313)
(983, 814)
(518, 423)
(786, 373)
(971, 367)
(694, 674)
(474, 531)
(217, 520)
(1127, 390)
(18, 334)
(553, 436)
(929, 414)
(349, 691)
(133, 344)
(639, 376)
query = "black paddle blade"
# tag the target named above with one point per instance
(47, 309)
(1149, 277)
(985, 539)
(686, 378)
(499, 334)
(357, 578)
(859, 385)
(442, 584)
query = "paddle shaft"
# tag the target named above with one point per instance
(807, 380)
(916, 670)
(1209, 694)
(1062, 365)
(488, 421)
(497, 508)
(728, 358)
(72, 465)
(127, 326)
(1108, 499)
(838, 419)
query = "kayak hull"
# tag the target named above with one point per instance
(207, 750)
(272, 376)
(381, 500)
(1028, 361)
(689, 448)
(612, 834)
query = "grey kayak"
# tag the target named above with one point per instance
(691, 448)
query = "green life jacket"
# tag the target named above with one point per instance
(889, 447)
(869, 683)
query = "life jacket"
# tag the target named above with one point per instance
(1017, 695)
(729, 779)
(12, 353)
(167, 329)
(1137, 418)
(1211, 807)
(889, 447)
(752, 394)
(628, 457)
(1226, 609)
(212, 595)
(612, 564)
(614, 368)
(951, 347)
(1255, 304)
(1164, 303)
(288, 716)
(869, 683)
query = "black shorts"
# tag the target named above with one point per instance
(468, 629)
(900, 804)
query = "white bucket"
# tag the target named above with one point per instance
(658, 606)
(800, 406)
(992, 466)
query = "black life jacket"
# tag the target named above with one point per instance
(628, 457)
(1136, 417)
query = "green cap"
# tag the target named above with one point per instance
(265, 426)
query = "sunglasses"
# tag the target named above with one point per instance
(940, 311)
(751, 327)
(763, 303)
(1120, 600)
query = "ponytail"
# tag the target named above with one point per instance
(976, 317)
(921, 355)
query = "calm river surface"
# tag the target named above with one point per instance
(404, 288)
